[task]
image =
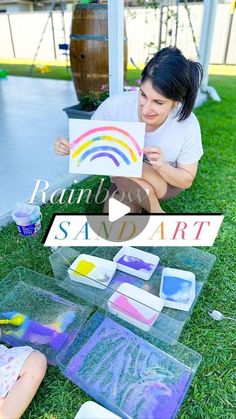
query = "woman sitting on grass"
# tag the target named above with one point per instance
(173, 147)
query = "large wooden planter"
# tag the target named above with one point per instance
(89, 48)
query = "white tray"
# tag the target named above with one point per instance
(146, 263)
(95, 271)
(92, 410)
(178, 290)
(135, 305)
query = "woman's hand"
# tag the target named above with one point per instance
(62, 147)
(155, 156)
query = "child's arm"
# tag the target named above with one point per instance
(62, 146)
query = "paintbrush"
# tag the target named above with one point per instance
(16, 320)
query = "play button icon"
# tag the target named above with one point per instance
(121, 223)
(116, 210)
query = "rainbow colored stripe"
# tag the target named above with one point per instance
(91, 147)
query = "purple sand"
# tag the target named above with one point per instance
(135, 263)
(118, 366)
(120, 277)
(43, 335)
(34, 332)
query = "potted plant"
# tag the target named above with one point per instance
(90, 101)
(87, 105)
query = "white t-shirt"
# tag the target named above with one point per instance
(180, 141)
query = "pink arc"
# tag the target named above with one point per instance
(107, 128)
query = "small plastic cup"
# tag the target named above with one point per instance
(28, 219)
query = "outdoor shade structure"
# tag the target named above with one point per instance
(206, 44)
(116, 47)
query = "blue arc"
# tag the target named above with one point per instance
(103, 148)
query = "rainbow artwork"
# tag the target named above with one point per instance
(106, 147)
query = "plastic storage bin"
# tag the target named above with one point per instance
(170, 321)
(130, 372)
(50, 320)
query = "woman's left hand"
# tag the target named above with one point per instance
(155, 156)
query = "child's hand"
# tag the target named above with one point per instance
(62, 147)
(155, 156)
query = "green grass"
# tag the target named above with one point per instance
(23, 70)
(212, 393)
(53, 72)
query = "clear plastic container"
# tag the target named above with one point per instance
(130, 372)
(170, 321)
(50, 319)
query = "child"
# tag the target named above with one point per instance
(173, 147)
(21, 372)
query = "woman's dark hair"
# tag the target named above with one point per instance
(175, 77)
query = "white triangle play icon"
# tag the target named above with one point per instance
(116, 209)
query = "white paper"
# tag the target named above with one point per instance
(106, 147)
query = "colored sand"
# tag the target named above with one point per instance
(123, 304)
(176, 289)
(135, 263)
(84, 267)
(115, 366)
(48, 319)
(30, 331)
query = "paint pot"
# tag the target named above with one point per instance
(28, 219)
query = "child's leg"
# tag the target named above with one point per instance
(23, 391)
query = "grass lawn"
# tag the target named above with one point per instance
(212, 393)
(57, 69)
(41, 70)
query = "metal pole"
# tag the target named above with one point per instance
(116, 46)
(12, 42)
(176, 22)
(53, 36)
(232, 9)
(41, 39)
(207, 37)
(160, 29)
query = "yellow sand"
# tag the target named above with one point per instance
(84, 267)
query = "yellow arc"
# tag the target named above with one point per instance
(109, 138)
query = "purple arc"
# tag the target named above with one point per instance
(105, 154)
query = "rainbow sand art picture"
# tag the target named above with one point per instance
(106, 147)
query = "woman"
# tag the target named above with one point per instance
(173, 147)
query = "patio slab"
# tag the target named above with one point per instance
(31, 118)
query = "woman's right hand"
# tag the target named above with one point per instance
(62, 146)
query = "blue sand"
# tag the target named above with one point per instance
(176, 289)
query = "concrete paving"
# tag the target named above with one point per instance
(31, 117)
